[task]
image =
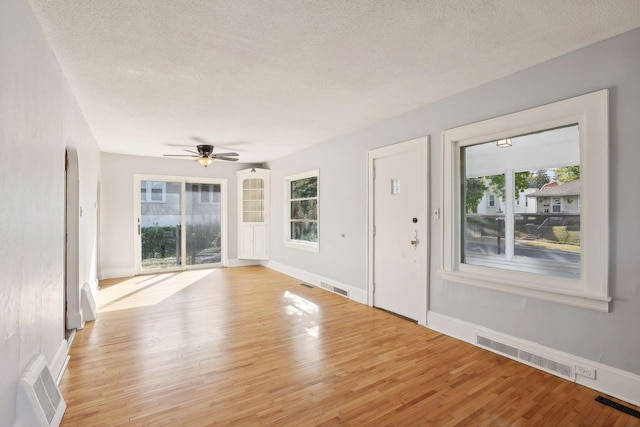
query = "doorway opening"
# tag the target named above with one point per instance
(72, 313)
(64, 276)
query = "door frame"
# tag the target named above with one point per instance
(224, 259)
(422, 146)
(73, 311)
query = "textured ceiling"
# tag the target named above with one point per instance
(267, 78)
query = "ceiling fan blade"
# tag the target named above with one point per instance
(191, 151)
(179, 155)
(229, 159)
(225, 154)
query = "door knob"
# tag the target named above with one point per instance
(414, 242)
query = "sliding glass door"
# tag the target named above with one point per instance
(180, 223)
(204, 229)
(160, 224)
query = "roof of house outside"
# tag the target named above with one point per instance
(571, 188)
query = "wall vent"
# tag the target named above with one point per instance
(552, 366)
(341, 291)
(39, 401)
(334, 289)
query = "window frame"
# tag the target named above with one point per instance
(591, 290)
(288, 241)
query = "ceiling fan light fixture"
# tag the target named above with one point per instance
(205, 155)
(204, 161)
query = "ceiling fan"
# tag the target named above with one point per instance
(205, 155)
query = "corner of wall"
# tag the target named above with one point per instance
(353, 293)
(116, 273)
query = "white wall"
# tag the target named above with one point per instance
(609, 338)
(39, 118)
(117, 210)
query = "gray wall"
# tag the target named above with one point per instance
(39, 119)
(609, 338)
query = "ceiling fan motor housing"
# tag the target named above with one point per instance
(205, 150)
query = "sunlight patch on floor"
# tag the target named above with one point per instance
(299, 306)
(143, 291)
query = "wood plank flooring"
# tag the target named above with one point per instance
(249, 346)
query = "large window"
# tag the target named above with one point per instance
(554, 246)
(302, 210)
(538, 240)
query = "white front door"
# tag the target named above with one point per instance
(400, 229)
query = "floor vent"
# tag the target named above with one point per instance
(334, 289)
(552, 366)
(39, 400)
(618, 406)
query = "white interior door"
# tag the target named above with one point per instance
(400, 229)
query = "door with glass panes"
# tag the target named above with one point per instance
(179, 223)
(253, 218)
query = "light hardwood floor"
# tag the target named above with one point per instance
(250, 346)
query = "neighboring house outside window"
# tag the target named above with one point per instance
(302, 211)
(159, 200)
(153, 191)
(558, 198)
(523, 204)
(206, 193)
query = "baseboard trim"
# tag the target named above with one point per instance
(116, 273)
(74, 321)
(355, 294)
(609, 380)
(58, 364)
(242, 262)
(88, 303)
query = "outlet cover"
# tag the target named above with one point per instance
(586, 371)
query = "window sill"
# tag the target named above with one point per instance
(302, 245)
(555, 268)
(576, 299)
